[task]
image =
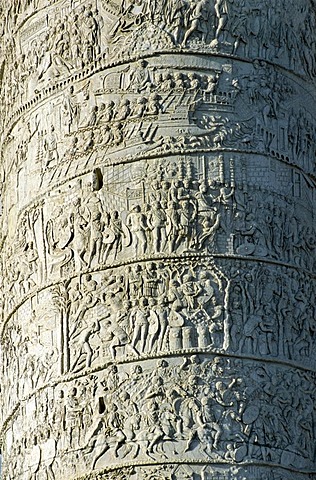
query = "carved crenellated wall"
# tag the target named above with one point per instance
(158, 240)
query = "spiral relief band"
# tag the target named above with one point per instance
(158, 240)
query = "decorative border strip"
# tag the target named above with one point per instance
(175, 354)
(108, 162)
(97, 474)
(162, 257)
(121, 60)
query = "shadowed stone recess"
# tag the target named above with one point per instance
(158, 239)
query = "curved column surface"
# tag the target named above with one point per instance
(158, 240)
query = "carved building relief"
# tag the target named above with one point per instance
(191, 408)
(157, 240)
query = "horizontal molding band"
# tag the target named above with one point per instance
(157, 258)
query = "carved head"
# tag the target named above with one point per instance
(138, 369)
(113, 369)
(73, 392)
(142, 63)
(195, 359)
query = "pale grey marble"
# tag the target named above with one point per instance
(158, 240)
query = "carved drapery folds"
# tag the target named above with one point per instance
(158, 240)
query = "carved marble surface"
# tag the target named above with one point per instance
(194, 408)
(157, 262)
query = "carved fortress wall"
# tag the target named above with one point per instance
(158, 239)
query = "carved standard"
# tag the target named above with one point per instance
(158, 239)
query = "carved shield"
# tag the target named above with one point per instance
(240, 453)
(261, 251)
(250, 414)
(108, 236)
(127, 238)
(246, 249)
(36, 458)
(49, 448)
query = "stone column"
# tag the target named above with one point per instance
(158, 240)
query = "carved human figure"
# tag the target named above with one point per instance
(117, 133)
(187, 213)
(139, 77)
(173, 225)
(95, 228)
(120, 337)
(136, 221)
(114, 241)
(198, 15)
(153, 325)
(207, 419)
(140, 325)
(123, 110)
(52, 62)
(48, 454)
(33, 457)
(135, 281)
(240, 26)
(175, 11)
(80, 229)
(221, 10)
(139, 107)
(59, 231)
(236, 330)
(88, 299)
(211, 82)
(51, 149)
(162, 313)
(176, 322)
(73, 418)
(80, 342)
(153, 105)
(209, 225)
(109, 426)
(71, 110)
(157, 220)
(92, 117)
(249, 340)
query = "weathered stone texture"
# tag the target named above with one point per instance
(158, 239)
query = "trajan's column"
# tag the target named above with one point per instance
(158, 239)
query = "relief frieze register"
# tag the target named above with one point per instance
(157, 261)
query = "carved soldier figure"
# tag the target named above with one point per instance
(50, 146)
(197, 18)
(136, 222)
(114, 241)
(140, 325)
(73, 418)
(81, 232)
(96, 227)
(59, 231)
(222, 12)
(123, 110)
(187, 214)
(106, 112)
(175, 11)
(48, 452)
(157, 220)
(157, 239)
(71, 110)
(83, 350)
(120, 338)
(140, 80)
